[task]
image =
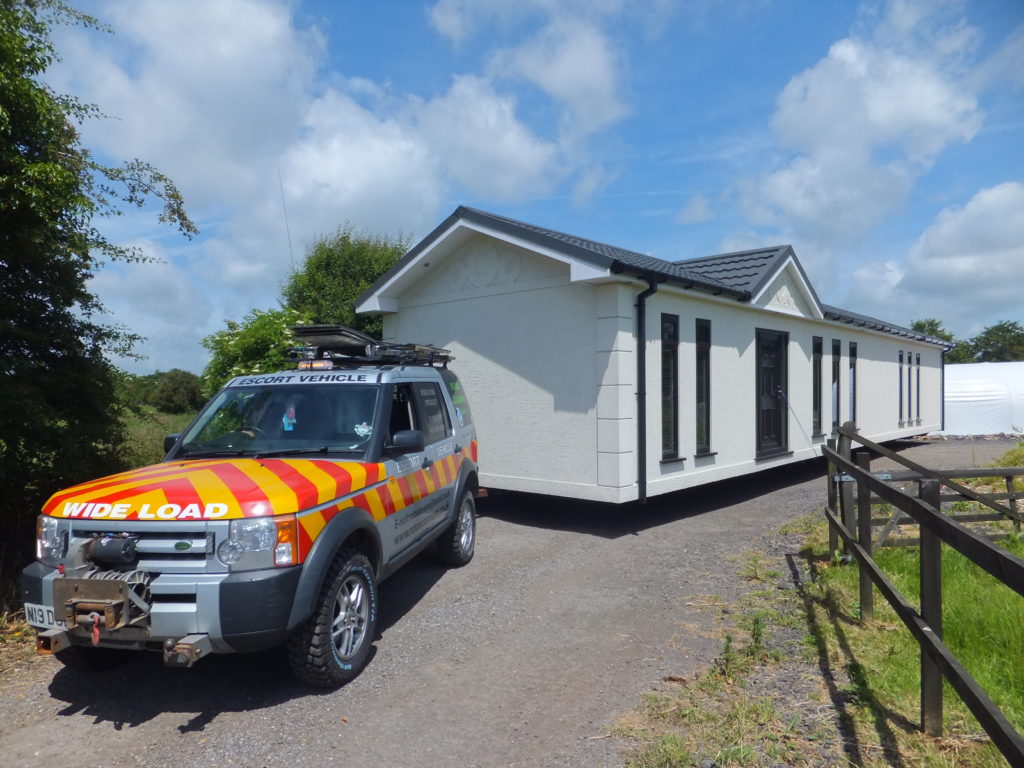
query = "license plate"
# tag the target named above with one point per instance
(42, 616)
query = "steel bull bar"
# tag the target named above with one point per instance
(102, 607)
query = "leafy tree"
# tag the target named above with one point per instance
(337, 270)
(962, 352)
(177, 391)
(258, 344)
(999, 343)
(929, 326)
(57, 389)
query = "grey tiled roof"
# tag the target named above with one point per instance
(744, 270)
(864, 321)
(601, 254)
(740, 275)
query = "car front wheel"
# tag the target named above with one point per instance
(334, 645)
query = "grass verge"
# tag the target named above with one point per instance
(983, 622)
(17, 640)
(759, 705)
(801, 681)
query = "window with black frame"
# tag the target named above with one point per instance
(837, 352)
(703, 386)
(816, 344)
(901, 387)
(853, 382)
(669, 386)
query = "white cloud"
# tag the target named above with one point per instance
(224, 96)
(964, 268)
(1006, 66)
(589, 183)
(353, 165)
(976, 249)
(484, 146)
(864, 123)
(207, 90)
(158, 300)
(695, 211)
(458, 19)
(865, 96)
(576, 65)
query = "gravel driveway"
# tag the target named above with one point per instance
(568, 614)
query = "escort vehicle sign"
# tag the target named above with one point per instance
(302, 378)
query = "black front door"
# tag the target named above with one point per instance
(771, 392)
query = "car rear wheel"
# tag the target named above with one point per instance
(334, 645)
(456, 545)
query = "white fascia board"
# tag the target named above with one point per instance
(796, 275)
(385, 298)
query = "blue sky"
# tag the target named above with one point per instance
(883, 140)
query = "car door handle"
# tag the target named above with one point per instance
(426, 463)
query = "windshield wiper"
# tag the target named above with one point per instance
(201, 454)
(290, 452)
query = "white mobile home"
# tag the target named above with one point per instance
(740, 366)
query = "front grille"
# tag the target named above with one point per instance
(162, 547)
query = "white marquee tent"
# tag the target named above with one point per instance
(984, 399)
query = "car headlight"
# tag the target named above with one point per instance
(49, 540)
(270, 540)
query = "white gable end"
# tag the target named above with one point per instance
(497, 263)
(484, 266)
(789, 294)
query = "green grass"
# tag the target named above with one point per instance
(716, 716)
(983, 623)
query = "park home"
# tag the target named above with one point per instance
(600, 373)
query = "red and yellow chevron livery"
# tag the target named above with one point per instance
(222, 489)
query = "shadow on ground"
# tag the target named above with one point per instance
(143, 688)
(615, 520)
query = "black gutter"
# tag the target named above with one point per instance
(641, 386)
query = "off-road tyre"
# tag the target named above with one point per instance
(82, 658)
(328, 656)
(456, 545)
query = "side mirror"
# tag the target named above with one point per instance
(407, 441)
(170, 440)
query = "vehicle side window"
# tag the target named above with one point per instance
(402, 410)
(434, 416)
(459, 400)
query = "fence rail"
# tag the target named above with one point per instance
(852, 488)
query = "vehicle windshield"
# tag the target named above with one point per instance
(282, 420)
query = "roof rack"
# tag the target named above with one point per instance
(327, 346)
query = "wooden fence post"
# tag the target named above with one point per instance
(846, 491)
(1012, 501)
(830, 470)
(931, 613)
(867, 593)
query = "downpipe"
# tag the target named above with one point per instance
(641, 388)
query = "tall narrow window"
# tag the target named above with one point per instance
(816, 346)
(669, 386)
(909, 389)
(917, 400)
(910, 392)
(853, 381)
(901, 387)
(837, 352)
(703, 386)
